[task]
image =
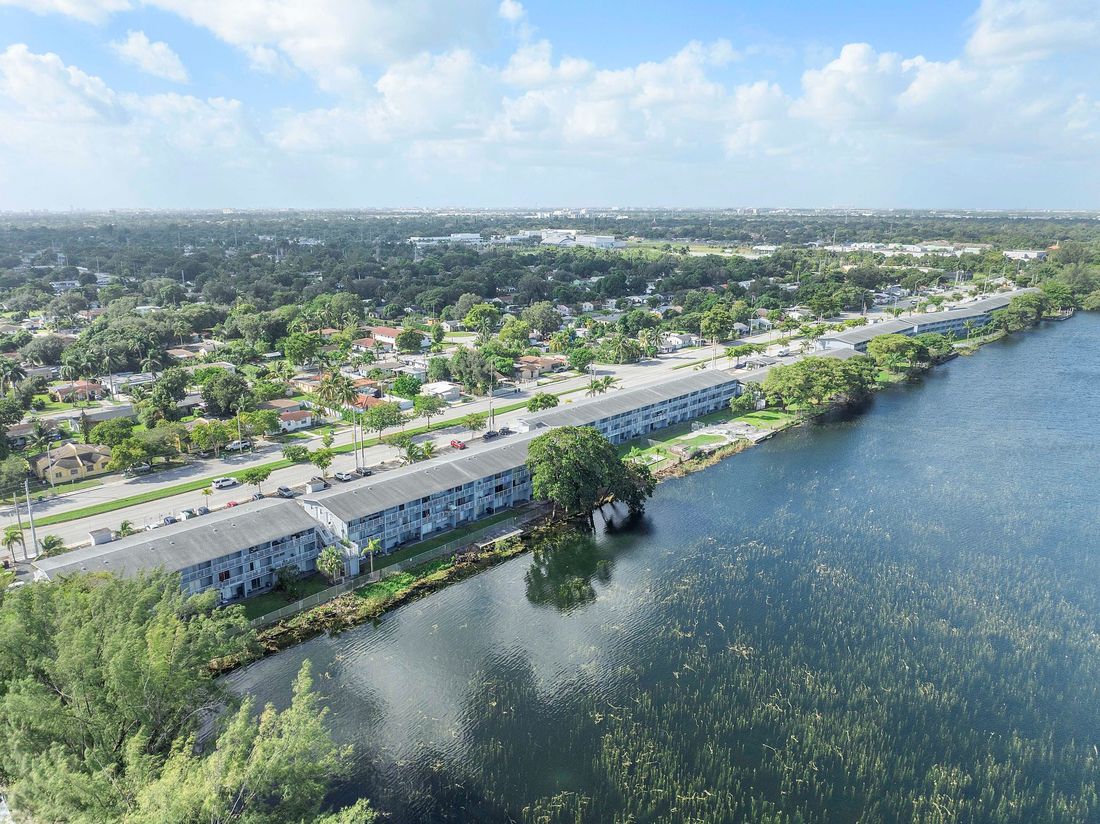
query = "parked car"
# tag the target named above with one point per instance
(257, 496)
(230, 503)
(285, 492)
(457, 444)
(139, 469)
(343, 477)
(224, 483)
(490, 434)
(238, 446)
(201, 510)
(363, 472)
(169, 520)
(504, 430)
(187, 514)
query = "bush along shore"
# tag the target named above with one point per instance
(373, 601)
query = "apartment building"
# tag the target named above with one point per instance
(236, 551)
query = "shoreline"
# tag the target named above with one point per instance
(389, 593)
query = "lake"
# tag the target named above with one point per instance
(893, 615)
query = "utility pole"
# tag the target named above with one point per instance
(30, 517)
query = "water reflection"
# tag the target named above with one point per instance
(846, 622)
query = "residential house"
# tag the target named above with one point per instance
(675, 341)
(444, 390)
(530, 367)
(372, 345)
(293, 421)
(281, 405)
(81, 390)
(72, 461)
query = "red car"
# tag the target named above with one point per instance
(230, 503)
(457, 444)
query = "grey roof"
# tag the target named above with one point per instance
(400, 486)
(189, 542)
(614, 402)
(358, 499)
(862, 334)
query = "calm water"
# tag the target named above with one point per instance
(888, 617)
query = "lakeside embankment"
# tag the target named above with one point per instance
(372, 601)
(851, 619)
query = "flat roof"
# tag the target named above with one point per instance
(182, 544)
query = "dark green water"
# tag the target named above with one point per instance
(892, 617)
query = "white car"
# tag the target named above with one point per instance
(344, 476)
(237, 446)
(224, 483)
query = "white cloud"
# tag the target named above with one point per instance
(42, 87)
(155, 58)
(1025, 30)
(90, 11)
(333, 40)
(412, 101)
(511, 10)
(531, 66)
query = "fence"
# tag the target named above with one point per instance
(494, 531)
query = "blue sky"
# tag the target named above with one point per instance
(316, 103)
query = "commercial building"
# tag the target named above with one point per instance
(236, 551)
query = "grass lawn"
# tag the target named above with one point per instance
(383, 561)
(701, 440)
(768, 418)
(59, 406)
(271, 601)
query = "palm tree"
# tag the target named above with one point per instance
(650, 339)
(373, 545)
(427, 451)
(206, 493)
(14, 535)
(52, 545)
(125, 528)
(10, 373)
(597, 386)
(560, 341)
(154, 362)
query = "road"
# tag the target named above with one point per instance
(139, 515)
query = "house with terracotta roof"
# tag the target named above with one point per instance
(70, 391)
(293, 421)
(372, 345)
(73, 461)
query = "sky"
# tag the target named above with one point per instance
(539, 103)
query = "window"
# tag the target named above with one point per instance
(223, 576)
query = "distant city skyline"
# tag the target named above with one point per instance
(497, 103)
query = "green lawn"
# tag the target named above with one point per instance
(768, 418)
(411, 551)
(700, 440)
(58, 406)
(271, 601)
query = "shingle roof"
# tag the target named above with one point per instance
(188, 542)
(617, 401)
(862, 334)
(400, 486)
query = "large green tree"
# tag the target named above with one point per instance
(576, 468)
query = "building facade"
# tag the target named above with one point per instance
(236, 551)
